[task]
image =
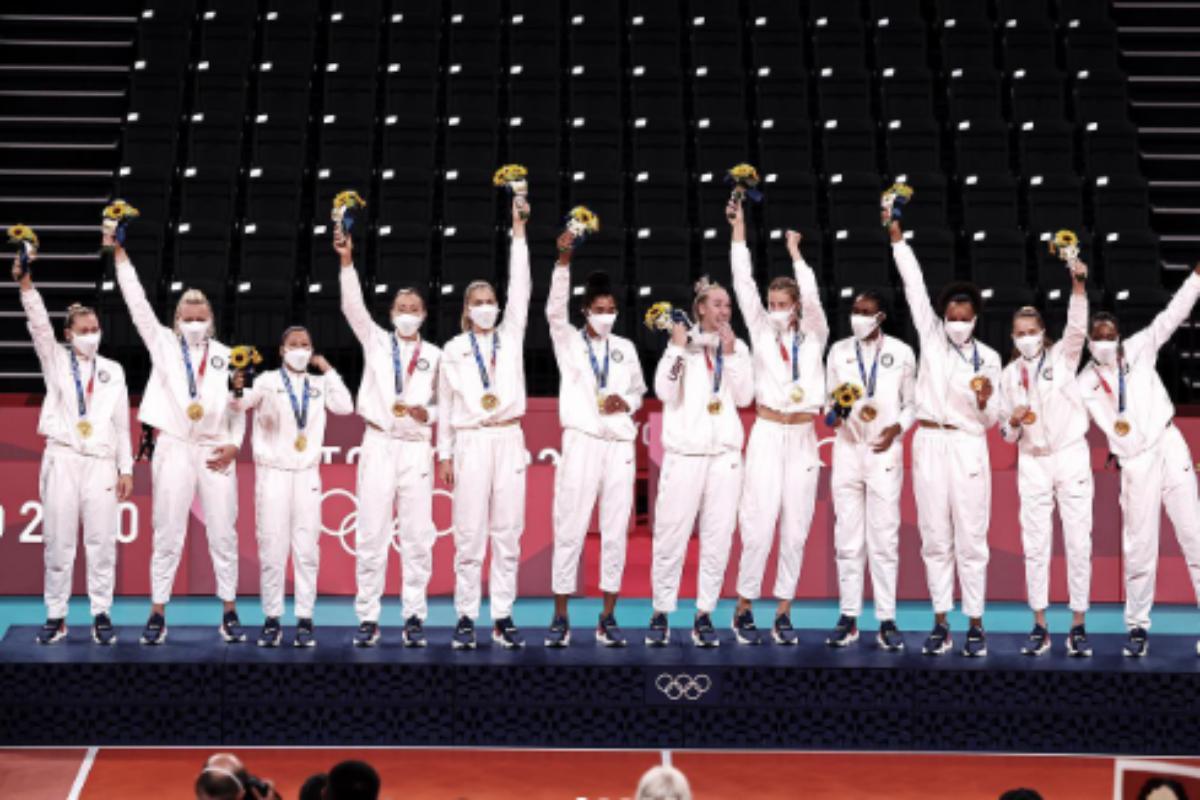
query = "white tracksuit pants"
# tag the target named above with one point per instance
(489, 503)
(591, 469)
(1065, 476)
(865, 486)
(287, 511)
(76, 489)
(952, 482)
(180, 471)
(395, 488)
(689, 487)
(1162, 476)
(780, 486)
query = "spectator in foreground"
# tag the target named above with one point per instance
(352, 780)
(664, 783)
(314, 787)
(1021, 794)
(225, 777)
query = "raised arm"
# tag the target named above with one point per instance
(140, 310)
(353, 306)
(520, 284)
(915, 292)
(812, 316)
(40, 327)
(744, 287)
(1075, 333)
(1163, 327)
(560, 290)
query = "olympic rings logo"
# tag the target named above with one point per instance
(683, 686)
(349, 523)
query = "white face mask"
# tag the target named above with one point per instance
(407, 324)
(960, 332)
(863, 325)
(484, 316)
(602, 324)
(780, 320)
(1104, 351)
(1030, 344)
(86, 344)
(194, 332)
(297, 358)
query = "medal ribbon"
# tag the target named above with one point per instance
(795, 359)
(484, 377)
(869, 382)
(80, 394)
(1120, 386)
(298, 411)
(187, 363)
(975, 361)
(715, 370)
(601, 374)
(412, 364)
(1036, 374)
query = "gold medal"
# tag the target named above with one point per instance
(797, 394)
(301, 443)
(868, 412)
(1121, 427)
(399, 409)
(489, 402)
(977, 383)
(195, 411)
(84, 427)
(1029, 418)
(714, 406)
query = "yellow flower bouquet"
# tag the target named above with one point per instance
(346, 206)
(582, 222)
(24, 238)
(893, 200)
(244, 358)
(115, 220)
(514, 178)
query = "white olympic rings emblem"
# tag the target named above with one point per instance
(349, 523)
(683, 686)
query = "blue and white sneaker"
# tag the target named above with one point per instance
(367, 634)
(845, 633)
(938, 642)
(505, 634)
(782, 631)
(1037, 643)
(464, 634)
(231, 628)
(1077, 643)
(54, 630)
(659, 634)
(1138, 644)
(607, 632)
(559, 634)
(414, 632)
(305, 637)
(103, 632)
(703, 633)
(155, 632)
(271, 634)
(976, 644)
(744, 629)
(889, 637)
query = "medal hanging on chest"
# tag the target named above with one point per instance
(716, 365)
(600, 372)
(399, 407)
(195, 411)
(1121, 427)
(795, 390)
(84, 425)
(489, 401)
(1030, 416)
(868, 412)
(299, 410)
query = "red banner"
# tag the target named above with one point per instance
(21, 513)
